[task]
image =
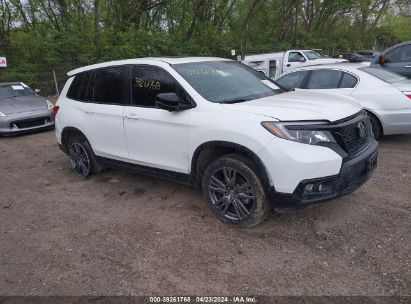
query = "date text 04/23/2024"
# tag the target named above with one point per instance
(200, 299)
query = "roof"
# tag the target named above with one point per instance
(342, 66)
(148, 60)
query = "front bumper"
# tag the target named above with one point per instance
(26, 122)
(355, 171)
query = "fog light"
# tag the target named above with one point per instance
(319, 187)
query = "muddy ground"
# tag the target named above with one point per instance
(123, 234)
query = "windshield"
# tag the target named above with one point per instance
(14, 90)
(226, 81)
(384, 75)
(311, 55)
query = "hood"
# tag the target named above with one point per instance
(328, 60)
(22, 104)
(300, 105)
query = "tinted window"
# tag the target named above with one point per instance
(226, 81)
(75, 87)
(348, 81)
(400, 54)
(295, 57)
(79, 86)
(108, 85)
(324, 79)
(292, 80)
(148, 81)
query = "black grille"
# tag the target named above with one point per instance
(29, 123)
(349, 137)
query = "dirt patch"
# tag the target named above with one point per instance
(125, 234)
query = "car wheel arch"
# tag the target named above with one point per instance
(377, 118)
(70, 131)
(210, 151)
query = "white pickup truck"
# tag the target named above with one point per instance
(273, 64)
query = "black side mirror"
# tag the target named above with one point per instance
(167, 101)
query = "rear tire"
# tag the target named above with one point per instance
(82, 157)
(375, 126)
(234, 192)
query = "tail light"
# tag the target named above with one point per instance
(55, 109)
(408, 94)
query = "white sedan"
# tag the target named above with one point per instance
(386, 96)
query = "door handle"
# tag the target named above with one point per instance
(132, 116)
(288, 65)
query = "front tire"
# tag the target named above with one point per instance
(234, 192)
(375, 126)
(82, 157)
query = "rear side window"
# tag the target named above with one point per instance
(80, 86)
(324, 79)
(148, 81)
(348, 81)
(108, 85)
(292, 80)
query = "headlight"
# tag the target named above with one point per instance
(50, 105)
(2, 114)
(302, 135)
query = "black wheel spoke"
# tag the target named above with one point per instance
(80, 159)
(231, 194)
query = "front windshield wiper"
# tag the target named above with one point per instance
(238, 100)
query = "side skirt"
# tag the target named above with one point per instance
(180, 178)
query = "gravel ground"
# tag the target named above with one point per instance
(125, 234)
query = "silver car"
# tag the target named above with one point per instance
(22, 110)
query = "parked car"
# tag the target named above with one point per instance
(396, 59)
(368, 54)
(217, 124)
(23, 110)
(386, 96)
(273, 64)
(352, 57)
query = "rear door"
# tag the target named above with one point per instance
(398, 60)
(105, 108)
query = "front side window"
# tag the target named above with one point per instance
(399, 54)
(295, 57)
(324, 79)
(383, 74)
(292, 80)
(148, 81)
(226, 81)
(108, 85)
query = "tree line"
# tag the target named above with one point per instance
(38, 36)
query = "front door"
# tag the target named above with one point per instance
(155, 137)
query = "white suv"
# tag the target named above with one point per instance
(217, 124)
